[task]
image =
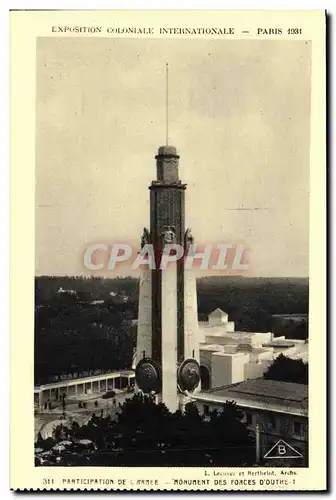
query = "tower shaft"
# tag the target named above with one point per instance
(167, 302)
(167, 209)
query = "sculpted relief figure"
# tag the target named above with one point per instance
(145, 238)
(169, 235)
(189, 239)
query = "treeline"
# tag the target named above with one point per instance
(85, 324)
(251, 302)
(77, 331)
(87, 288)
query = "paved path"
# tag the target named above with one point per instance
(46, 421)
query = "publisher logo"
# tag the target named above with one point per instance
(281, 449)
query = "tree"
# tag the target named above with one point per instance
(148, 434)
(229, 434)
(288, 370)
(84, 335)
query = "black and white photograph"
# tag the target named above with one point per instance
(175, 292)
(172, 365)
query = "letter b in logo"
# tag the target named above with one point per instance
(284, 450)
(281, 449)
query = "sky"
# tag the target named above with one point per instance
(239, 116)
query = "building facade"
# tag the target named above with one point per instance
(75, 388)
(275, 410)
(228, 356)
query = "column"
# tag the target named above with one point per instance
(144, 331)
(191, 331)
(41, 399)
(191, 340)
(169, 336)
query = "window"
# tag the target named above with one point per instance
(272, 424)
(206, 410)
(297, 428)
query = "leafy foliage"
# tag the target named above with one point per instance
(251, 302)
(76, 332)
(147, 434)
(288, 370)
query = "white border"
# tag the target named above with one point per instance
(4, 130)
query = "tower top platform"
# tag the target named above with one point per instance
(167, 151)
(167, 161)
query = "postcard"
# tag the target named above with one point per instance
(168, 250)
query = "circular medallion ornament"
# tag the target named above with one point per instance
(148, 376)
(188, 375)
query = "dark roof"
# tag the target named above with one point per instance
(270, 392)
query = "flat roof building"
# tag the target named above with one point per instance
(228, 356)
(276, 410)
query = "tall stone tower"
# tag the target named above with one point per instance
(167, 338)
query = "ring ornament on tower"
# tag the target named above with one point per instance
(148, 376)
(188, 375)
